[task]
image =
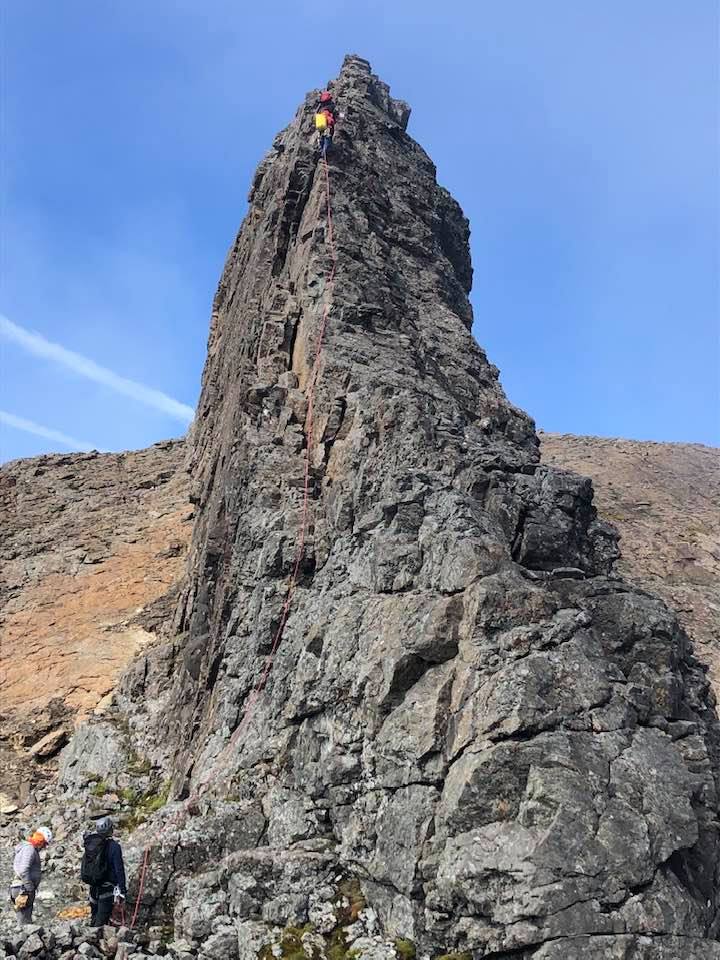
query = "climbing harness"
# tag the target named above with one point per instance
(302, 530)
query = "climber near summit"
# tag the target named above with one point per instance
(104, 871)
(325, 121)
(27, 868)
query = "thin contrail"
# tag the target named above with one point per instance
(20, 423)
(37, 344)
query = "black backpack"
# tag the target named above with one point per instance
(95, 867)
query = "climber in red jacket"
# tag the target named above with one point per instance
(325, 121)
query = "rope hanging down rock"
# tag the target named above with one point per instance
(305, 509)
(301, 538)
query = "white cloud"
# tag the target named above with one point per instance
(36, 344)
(28, 426)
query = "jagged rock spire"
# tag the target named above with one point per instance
(509, 747)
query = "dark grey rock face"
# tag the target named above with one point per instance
(511, 749)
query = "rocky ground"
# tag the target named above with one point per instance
(663, 498)
(102, 775)
(465, 734)
(650, 491)
(342, 924)
(89, 543)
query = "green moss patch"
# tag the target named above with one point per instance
(337, 945)
(288, 943)
(291, 945)
(142, 805)
(405, 949)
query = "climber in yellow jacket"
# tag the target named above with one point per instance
(325, 121)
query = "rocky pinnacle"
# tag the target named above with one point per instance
(506, 745)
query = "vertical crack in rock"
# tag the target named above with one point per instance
(514, 751)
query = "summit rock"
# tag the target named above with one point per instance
(469, 723)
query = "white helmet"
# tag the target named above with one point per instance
(45, 832)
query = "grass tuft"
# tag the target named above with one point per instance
(405, 949)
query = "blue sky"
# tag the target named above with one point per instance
(581, 139)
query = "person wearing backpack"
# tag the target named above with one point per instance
(104, 872)
(27, 868)
(325, 121)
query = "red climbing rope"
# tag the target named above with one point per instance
(141, 887)
(305, 509)
(302, 527)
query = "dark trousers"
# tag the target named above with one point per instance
(24, 916)
(101, 906)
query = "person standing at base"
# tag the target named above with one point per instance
(103, 870)
(27, 868)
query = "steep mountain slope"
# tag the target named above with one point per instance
(467, 712)
(663, 498)
(87, 541)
